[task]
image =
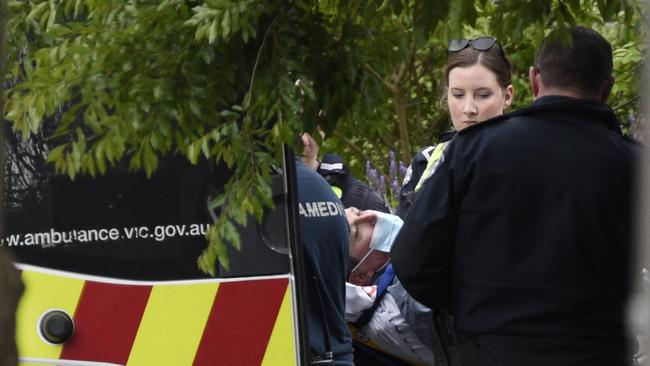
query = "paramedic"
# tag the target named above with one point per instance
(324, 233)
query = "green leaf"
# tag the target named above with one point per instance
(205, 147)
(213, 32)
(216, 202)
(200, 31)
(238, 214)
(257, 210)
(37, 11)
(193, 152)
(99, 157)
(56, 154)
(222, 255)
(195, 108)
(225, 24)
(232, 235)
(206, 262)
(150, 159)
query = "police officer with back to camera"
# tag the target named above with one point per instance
(524, 232)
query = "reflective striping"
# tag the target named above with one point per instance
(119, 281)
(42, 293)
(426, 152)
(333, 166)
(337, 191)
(106, 322)
(436, 158)
(241, 322)
(245, 322)
(281, 348)
(31, 361)
(172, 325)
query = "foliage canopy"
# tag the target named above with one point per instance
(231, 81)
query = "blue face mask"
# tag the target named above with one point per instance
(383, 235)
(386, 229)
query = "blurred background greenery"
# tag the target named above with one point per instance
(107, 82)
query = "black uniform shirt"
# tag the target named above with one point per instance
(525, 228)
(353, 192)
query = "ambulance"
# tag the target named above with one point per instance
(110, 268)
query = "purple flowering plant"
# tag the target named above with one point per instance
(388, 186)
(636, 127)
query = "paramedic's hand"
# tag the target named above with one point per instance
(309, 151)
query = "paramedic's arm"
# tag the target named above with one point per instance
(309, 151)
(421, 254)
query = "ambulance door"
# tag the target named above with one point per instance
(109, 266)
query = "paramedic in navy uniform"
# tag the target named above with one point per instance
(524, 231)
(324, 232)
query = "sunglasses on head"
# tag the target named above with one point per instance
(479, 44)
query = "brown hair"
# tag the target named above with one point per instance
(493, 59)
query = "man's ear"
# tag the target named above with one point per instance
(609, 84)
(508, 95)
(533, 78)
(361, 277)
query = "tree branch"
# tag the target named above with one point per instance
(376, 75)
(622, 105)
(387, 141)
(352, 145)
(400, 73)
(257, 62)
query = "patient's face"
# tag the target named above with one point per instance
(362, 224)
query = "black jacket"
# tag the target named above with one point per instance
(525, 229)
(353, 192)
(414, 173)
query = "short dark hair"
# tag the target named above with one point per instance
(583, 65)
(363, 198)
(493, 59)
